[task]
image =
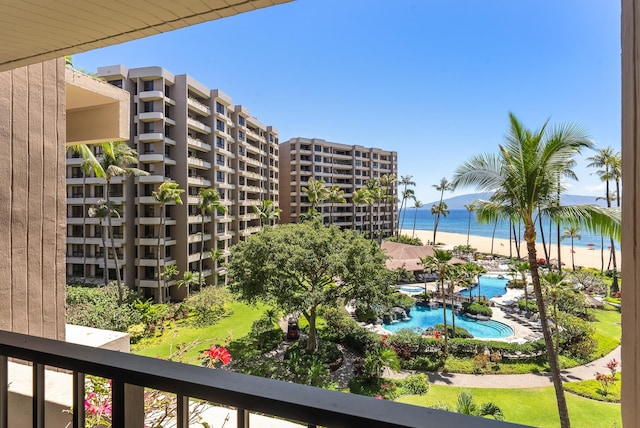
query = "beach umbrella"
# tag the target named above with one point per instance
(591, 244)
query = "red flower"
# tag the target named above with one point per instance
(215, 354)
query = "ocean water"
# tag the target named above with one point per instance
(457, 220)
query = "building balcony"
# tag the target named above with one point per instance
(198, 181)
(149, 260)
(198, 107)
(198, 163)
(198, 126)
(153, 241)
(150, 95)
(150, 116)
(197, 143)
(198, 237)
(150, 179)
(151, 157)
(148, 137)
(197, 219)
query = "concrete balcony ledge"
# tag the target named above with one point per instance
(150, 95)
(150, 136)
(151, 157)
(150, 116)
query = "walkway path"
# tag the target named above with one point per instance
(530, 380)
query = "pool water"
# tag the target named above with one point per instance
(423, 317)
(490, 286)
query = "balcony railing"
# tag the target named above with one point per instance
(247, 394)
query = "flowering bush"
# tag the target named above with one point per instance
(607, 380)
(215, 354)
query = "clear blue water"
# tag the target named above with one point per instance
(490, 286)
(457, 222)
(424, 317)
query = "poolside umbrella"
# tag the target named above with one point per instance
(591, 244)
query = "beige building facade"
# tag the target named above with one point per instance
(350, 167)
(197, 137)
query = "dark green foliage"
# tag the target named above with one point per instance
(327, 352)
(576, 336)
(341, 328)
(533, 307)
(98, 307)
(207, 306)
(265, 335)
(477, 308)
(405, 239)
(459, 333)
(402, 300)
(574, 303)
(516, 283)
(417, 383)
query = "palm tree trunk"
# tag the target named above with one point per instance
(160, 238)
(573, 262)
(202, 214)
(544, 244)
(601, 253)
(444, 318)
(435, 227)
(113, 248)
(516, 241)
(468, 227)
(105, 254)
(453, 311)
(493, 235)
(404, 212)
(84, 225)
(415, 215)
(530, 237)
(559, 248)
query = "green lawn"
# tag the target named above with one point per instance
(235, 326)
(529, 406)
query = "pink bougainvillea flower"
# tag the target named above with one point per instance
(218, 353)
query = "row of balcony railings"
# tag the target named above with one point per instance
(246, 394)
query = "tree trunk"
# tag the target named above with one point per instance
(415, 216)
(84, 226)
(312, 343)
(493, 235)
(453, 311)
(468, 227)
(202, 214)
(601, 253)
(573, 262)
(113, 248)
(559, 248)
(544, 244)
(160, 238)
(444, 318)
(105, 254)
(530, 237)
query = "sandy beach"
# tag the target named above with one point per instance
(585, 257)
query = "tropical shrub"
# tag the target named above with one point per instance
(405, 239)
(576, 336)
(340, 327)
(532, 306)
(459, 332)
(417, 383)
(477, 308)
(98, 307)
(208, 306)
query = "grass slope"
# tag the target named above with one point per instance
(530, 406)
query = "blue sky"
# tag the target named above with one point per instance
(433, 80)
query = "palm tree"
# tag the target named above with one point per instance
(167, 192)
(443, 186)
(572, 232)
(525, 175)
(521, 268)
(103, 210)
(406, 195)
(553, 281)
(189, 279)
(467, 406)
(360, 196)
(440, 209)
(470, 208)
(316, 192)
(335, 196)
(377, 194)
(405, 181)
(209, 202)
(439, 263)
(608, 161)
(115, 160)
(417, 205)
(388, 181)
(267, 212)
(216, 255)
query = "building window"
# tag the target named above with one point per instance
(240, 135)
(271, 138)
(317, 158)
(317, 168)
(148, 106)
(148, 85)
(317, 148)
(116, 83)
(220, 142)
(220, 176)
(220, 160)
(148, 127)
(219, 108)
(220, 125)
(241, 121)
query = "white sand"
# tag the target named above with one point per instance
(583, 256)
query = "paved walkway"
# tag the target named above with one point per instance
(530, 380)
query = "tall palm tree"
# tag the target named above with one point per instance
(440, 209)
(405, 181)
(388, 181)
(470, 208)
(189, 279)
(443, 186)
(406, 195)
(335, 196)
(377, 194)
(216, 255)
(439, 262)
(521, 268)
(416, 205)
(115, 160)
(102, 210)
(607, 160)
(316, 192)
(572, 232)
(267, 212)
(525, 175)
(553, 281)
(360, 196)
(167, 192)
(209, 202)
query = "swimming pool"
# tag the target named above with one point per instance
(424, 317)
(490, 286)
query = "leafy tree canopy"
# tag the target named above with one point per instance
(299, 267)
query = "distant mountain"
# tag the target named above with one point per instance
(458, 202)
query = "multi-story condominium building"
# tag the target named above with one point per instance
(198, 138)
(351, 167)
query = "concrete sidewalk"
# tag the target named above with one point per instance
(530, 380)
